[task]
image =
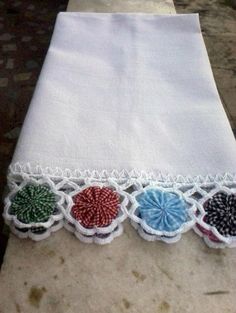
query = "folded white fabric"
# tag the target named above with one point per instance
(125, 100)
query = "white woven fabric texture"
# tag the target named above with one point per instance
(127, 91)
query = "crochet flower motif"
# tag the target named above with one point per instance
(221, 213)
(33, 204)
(95, 206)
(162, 210)
(208, 233)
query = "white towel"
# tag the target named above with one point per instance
(127, 96)
(124, 92)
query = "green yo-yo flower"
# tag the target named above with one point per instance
(33, 204)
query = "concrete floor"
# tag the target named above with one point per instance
(63, 275)
(147, 6)
(218, 22)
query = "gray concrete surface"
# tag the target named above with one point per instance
(63, 275)
(145, 6)
(218, 22)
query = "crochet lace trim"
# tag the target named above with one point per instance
(119, 176)
(66, 183)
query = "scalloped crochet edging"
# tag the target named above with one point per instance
(109, 198)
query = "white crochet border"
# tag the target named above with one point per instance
(118, 231)
(33, 236)
(118, 176)
(152, 237)
(122, 182)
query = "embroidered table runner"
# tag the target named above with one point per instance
(125, 123)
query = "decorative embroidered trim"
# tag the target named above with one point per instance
(211, 231)
(221, 213)
(33, 203)
(19, 191)
(157, 220)
(31, 233)
(151, 237)
(119, 176)
(95, 206)
(100, 239)
(82, 232)
(66, 184)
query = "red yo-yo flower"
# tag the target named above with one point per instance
(95, 206)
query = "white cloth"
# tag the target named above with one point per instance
(127, 91)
